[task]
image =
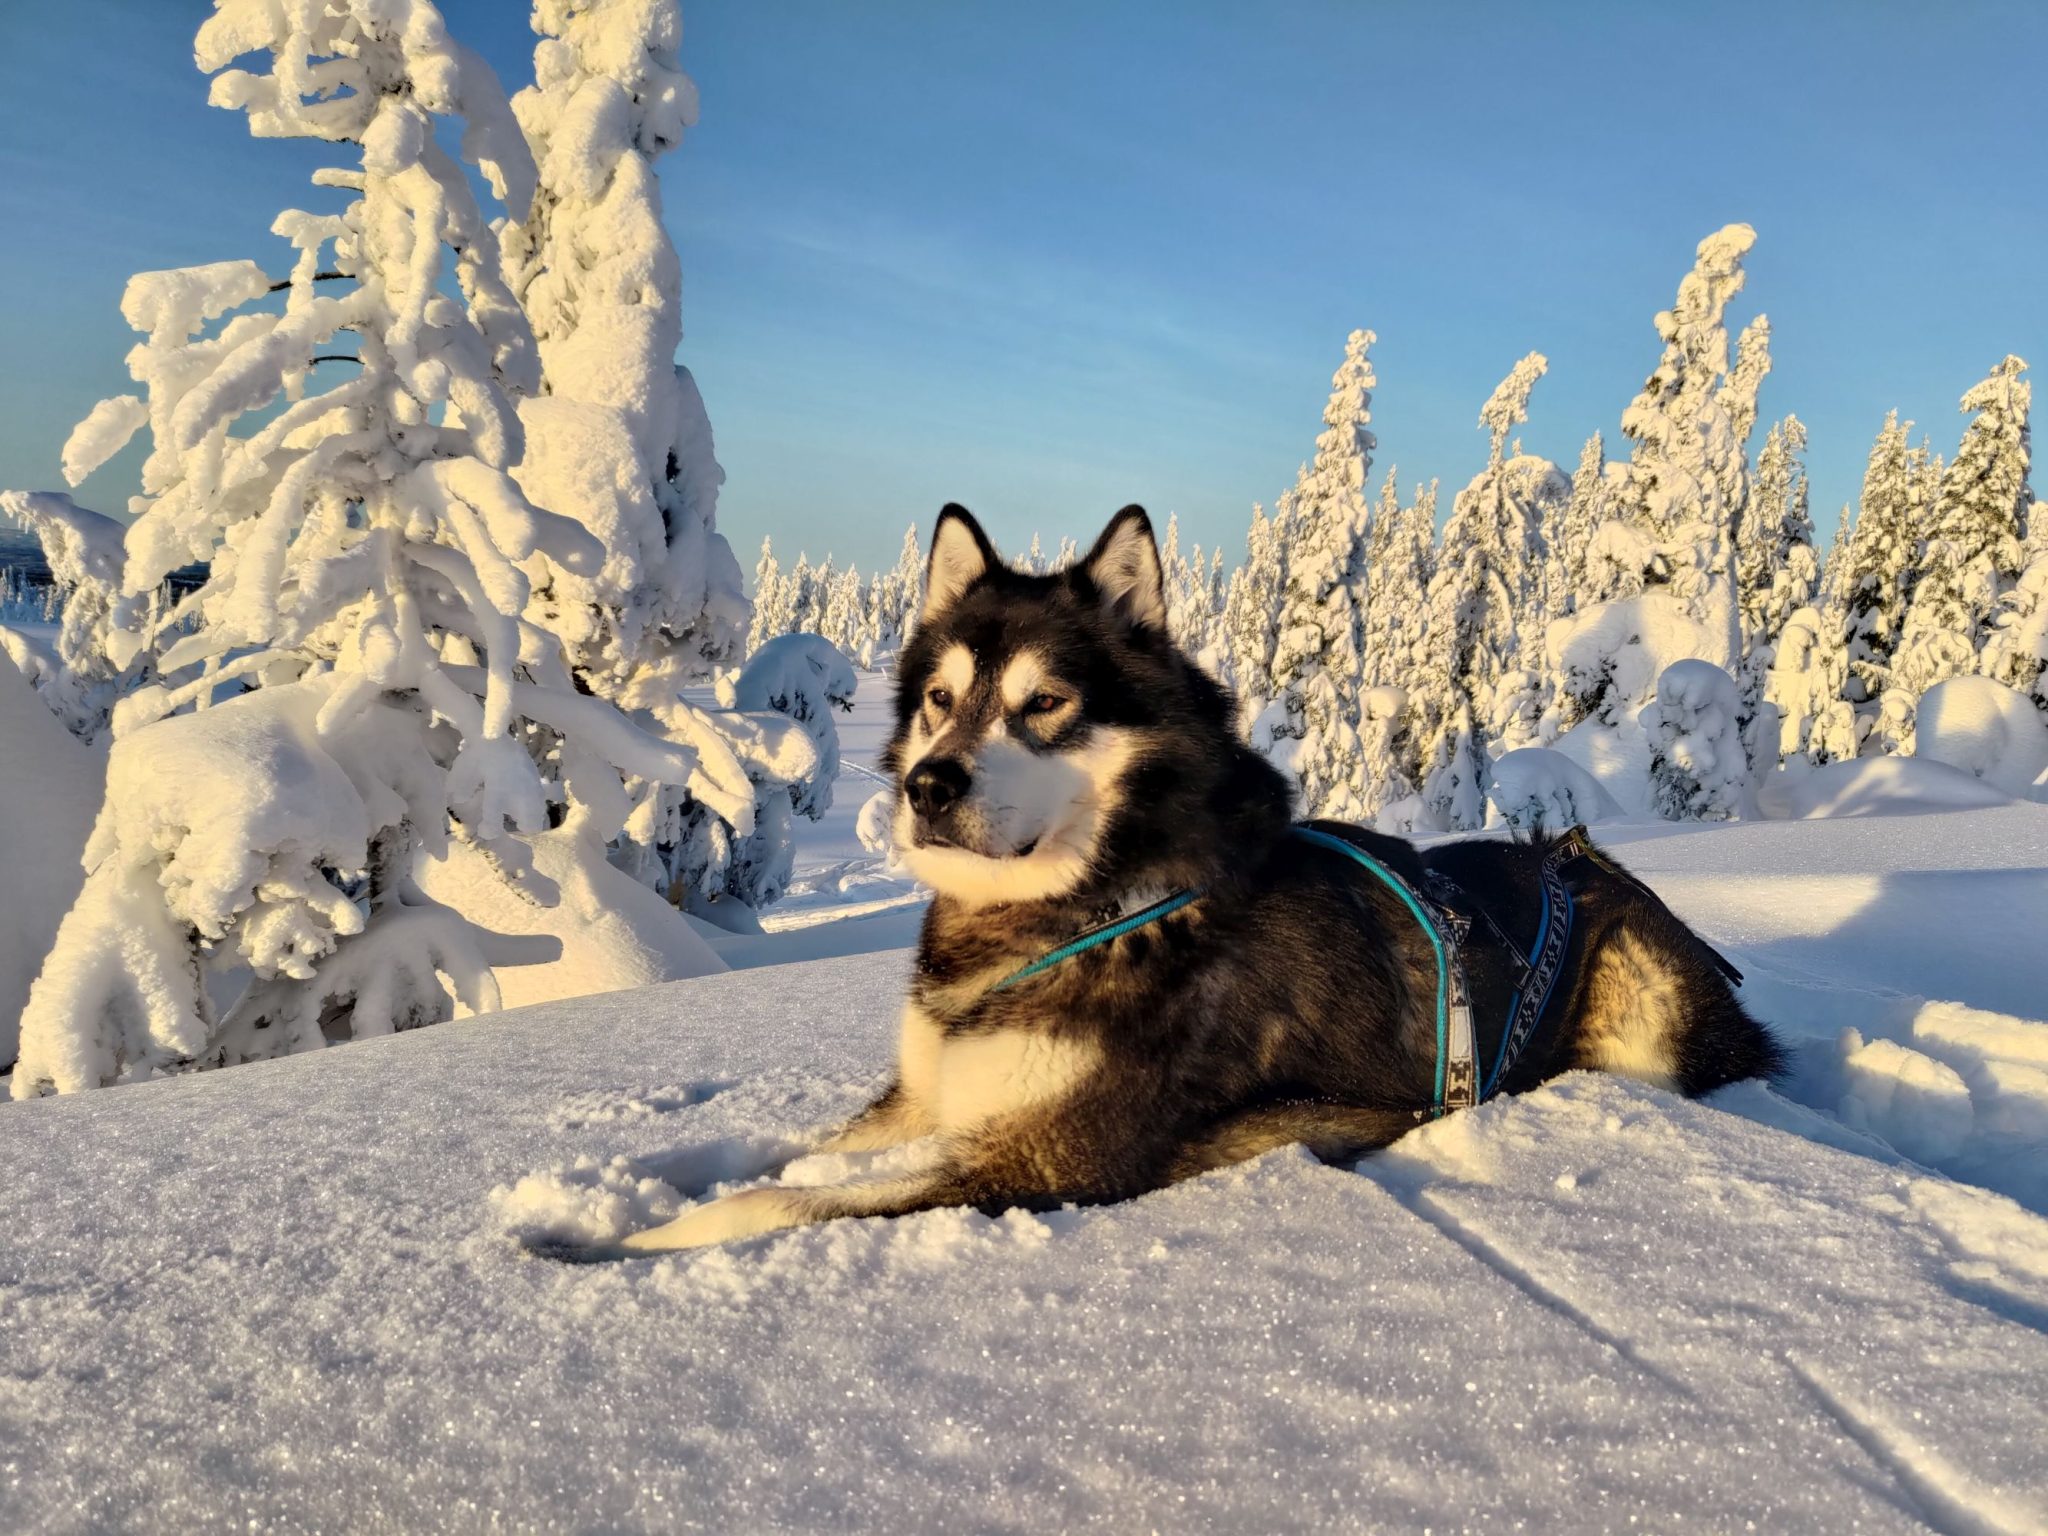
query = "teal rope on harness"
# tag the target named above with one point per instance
(1102, 935)
(1399, 887)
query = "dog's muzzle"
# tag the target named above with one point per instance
(936, 788)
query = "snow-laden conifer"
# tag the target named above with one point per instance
(1777, 573)
(1688, 476)
(1699, 768)
(1971, 551)
(771, 597)
(1250, 613)
(1310, 724)
(1489, 563)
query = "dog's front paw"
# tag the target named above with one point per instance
(747, 1214)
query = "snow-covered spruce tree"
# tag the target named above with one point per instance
(1402, 560)
(593, 267)
(899, 597)
(1400, 557)
(1479, 597)
(1688, 474)
(1569, 536)
(1872, 575)
(1699, 768)
(1310, 726)
(770, 597)
(76, 676)
(1777, 572)
(804, 609)
(378, 575)
(2016, 653)
(1250, 611)
(1809, 666)
(1971, 552)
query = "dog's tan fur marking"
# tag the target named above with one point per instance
(1022, 675)
(1632, 1014)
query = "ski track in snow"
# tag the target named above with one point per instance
(1952, 1503)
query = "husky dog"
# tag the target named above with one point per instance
(1059, 762)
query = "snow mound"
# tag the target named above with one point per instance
(52, 790)
(1962, 1090)
(1988, 730)
(555, 920)
(1542, 790)
(1874, 786)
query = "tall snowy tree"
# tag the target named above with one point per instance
(771, 617)
(1311, 726)
(1249, 614)
(1972, 550)
(1688, 476)
(1401, 557)
(1479, 597)
(1777, 573)
(1567, 542)
(589, 260)
(2016, 652)
(905, 592)
(1874, 572)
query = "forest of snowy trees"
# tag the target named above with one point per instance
(1670, 606)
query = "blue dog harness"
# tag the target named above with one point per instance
(1457, 1083)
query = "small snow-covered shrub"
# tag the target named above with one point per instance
(796, 678)
(877, 816)
(1698, 770)
(1988, 730)
(807, 679)
(1538, 790)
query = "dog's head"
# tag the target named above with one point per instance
(1033, 712)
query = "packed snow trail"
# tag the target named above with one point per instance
(288, 1295)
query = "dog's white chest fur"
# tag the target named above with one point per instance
(963, 1082)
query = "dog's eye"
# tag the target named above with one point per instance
(1042, 703)
(940, 699)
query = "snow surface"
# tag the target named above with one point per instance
(293, 1295)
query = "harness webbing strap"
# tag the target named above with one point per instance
(1546, 959)
(1453, 1006)
(1103, 935)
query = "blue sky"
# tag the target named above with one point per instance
(1046, 260)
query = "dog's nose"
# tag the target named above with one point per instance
(935, 784)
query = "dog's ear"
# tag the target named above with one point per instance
(1124, 565)
(961, 556)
